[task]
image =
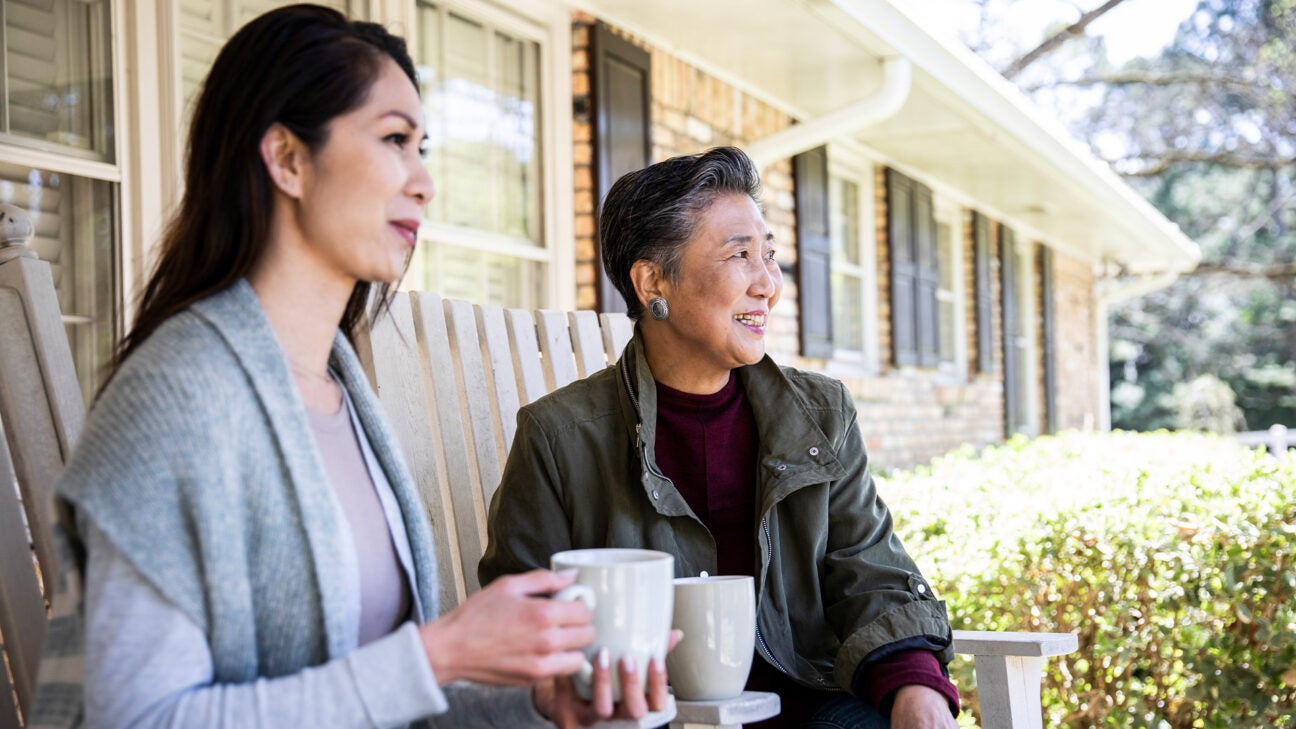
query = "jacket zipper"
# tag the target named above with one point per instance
(769, 543)
(760, 639)
(634, 400)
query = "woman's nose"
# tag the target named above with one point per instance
(420, 185)
(766, 280)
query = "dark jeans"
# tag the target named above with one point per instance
(846, 712)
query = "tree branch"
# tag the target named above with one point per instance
(1159, 163)
(1281, 272)
(1132, 78)
(1052, 42)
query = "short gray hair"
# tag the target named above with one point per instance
(651, 213)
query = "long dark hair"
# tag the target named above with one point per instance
(300, 66)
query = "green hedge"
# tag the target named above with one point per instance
(1173, 556)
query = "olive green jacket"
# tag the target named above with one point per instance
(835, 587)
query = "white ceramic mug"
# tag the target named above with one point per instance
(718, 617)
(629, 592)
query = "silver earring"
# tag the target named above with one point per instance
(658, 309)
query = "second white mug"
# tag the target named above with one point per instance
(718, 617)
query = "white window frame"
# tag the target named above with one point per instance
(1029, 350)
(949, 213)
(848, 164)
(549, 26)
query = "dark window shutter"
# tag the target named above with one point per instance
(984, 300)
(620, 82)
(927, 277)
(1014, 417)
(814, 252)
(904, 269)
(1050, 334)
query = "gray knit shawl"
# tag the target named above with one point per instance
(199, 465)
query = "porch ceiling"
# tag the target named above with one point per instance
(963, 125)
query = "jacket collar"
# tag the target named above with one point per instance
(794, 452)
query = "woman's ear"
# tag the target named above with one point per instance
(649, 281)
(284, 156)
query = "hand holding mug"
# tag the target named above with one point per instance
(510, 633)
(557, 701)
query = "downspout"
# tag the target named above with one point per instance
(897, 79)
(1106, 295)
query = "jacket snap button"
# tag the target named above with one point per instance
(922, 589)
(814, 450)
(654, 494)
(782, 467)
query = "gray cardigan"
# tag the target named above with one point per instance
(197, 463)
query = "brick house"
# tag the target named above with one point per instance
(948, 253)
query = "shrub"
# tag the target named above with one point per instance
(1172, 556)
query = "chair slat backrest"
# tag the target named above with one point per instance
(526, 355)
(475, 401)
(617, 330)
(406, 387)
(41, 413)
(587, 342)
(504, 378)
(556, 347)
(22, 609)
(452, 377)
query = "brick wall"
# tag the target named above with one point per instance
(1076, 356)
(908, 415)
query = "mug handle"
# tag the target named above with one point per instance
(585, 674)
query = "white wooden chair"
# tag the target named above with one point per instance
(452, 377)
(41, 412)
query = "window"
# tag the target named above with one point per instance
(854, 287)
(1020, 401)
(949, 291)
(57, 160)
(915, 272)
(485, 239)
(57, 77)
(205, 25)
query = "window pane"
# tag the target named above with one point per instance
(843, 198)
(848, 324)
(76, 232)
(481, 88)
(482, 277)
(58, 73)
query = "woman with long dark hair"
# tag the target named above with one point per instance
(254, 550)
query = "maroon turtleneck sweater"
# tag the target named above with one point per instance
(708, 446)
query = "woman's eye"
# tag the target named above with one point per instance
(399, 139)
(769, 255)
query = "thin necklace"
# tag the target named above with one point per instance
(326, 378)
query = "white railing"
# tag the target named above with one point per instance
(1277, 439)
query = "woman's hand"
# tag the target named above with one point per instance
(510, 633)
(921, 707)
(556, 699)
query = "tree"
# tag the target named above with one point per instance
(1207, 132)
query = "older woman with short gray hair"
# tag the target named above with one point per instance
(696, 443)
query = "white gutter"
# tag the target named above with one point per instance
(1106, 294)
(882, 104)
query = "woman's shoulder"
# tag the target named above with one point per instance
(817, 389)
(591, 398)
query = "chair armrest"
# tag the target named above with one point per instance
(1009, 668)
(747, 708)
(991, 643)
